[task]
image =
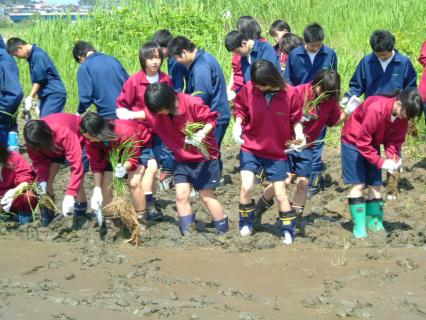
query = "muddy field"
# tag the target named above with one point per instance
(76, 270)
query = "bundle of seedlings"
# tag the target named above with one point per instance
(310, 104)
(120, 207)
(190, 130)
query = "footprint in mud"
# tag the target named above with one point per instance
(354, 309)
(407, 264)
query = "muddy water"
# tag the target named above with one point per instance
(75, 270)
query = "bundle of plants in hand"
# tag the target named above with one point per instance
(310, 104)
(191, 138)
(120, 206)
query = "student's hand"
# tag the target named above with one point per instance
(231, 95)
(125, 114)
(43, 187)
(197, 139)
(352, 104)
(67, 204)
(37, 107)
(344, 102)
(237, 130)
(390, 165)
(28, 103)
(399, 165)
(97, 199)
(6, 201)
(120, 170)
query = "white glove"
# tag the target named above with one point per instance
(37, 107)
(28, 103)
(67, 204)
(43, 187)
(125, 114)
(197, 139)
(344, 102)
(390, 166)
(399, 165)
(120, 170)
(97, 199)
(7, 200)
(237, 130)
(352, 104)
(231, 95)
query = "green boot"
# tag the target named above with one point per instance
(374, 209)
(357, 208)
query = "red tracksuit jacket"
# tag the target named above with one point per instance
(267, 128)
(67, 136)
(370, 126)
(422, 60)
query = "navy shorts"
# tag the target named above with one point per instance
(276, 170)
(147, 154)
(202, 175)
(301, 162)
(358, 170)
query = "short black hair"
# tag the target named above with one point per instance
(249, 27)
(234, 40)
(81, 48)
(96, 126)
(160, 96)
(162, 37)
(411, 102)
(329, 81)
(290, 41)
(264, 73)
(12, 44)
(313, 33)
(4, 154)
(178, 44)
(39, 136)
(148, 51)
(279, 25)
(382, 40)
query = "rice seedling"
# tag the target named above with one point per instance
(190, 130)
(310, 104)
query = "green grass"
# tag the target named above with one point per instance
(121, 31)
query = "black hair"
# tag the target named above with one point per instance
(382, 40)
(234, 40)
(81, 48)
(160, 96)
(96, 126)
(249, 27)
(178, 44)
(313, 33)
(264, 73)
(411, 102)
(279, 25)
(13, 44)
(329, 81)
(148, 51)
(290, 41)
(39, 136)
(162, 37)
(4, 155)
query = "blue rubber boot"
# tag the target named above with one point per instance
(262, 205)
(316, 183)
(187, 224)
(221, 226)
(80, 209)
(288, 225)
(46, 216)
(25, 217)
(246, 212)
(153, 213)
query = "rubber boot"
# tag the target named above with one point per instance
(142, 219)
(47, 216)
(221, 226)
(246, 218)
(80, 209)
(262, 206)
(300, 225)
(357, 208)
(153, 213)
(316, 183)
(187, 224)
(288, 226)
(374, 212)
(25, 217)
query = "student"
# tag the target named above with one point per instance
(303, 64)
(266, 111)
(176, 71)
(101, 138)
(100, 79)
(288, 42)
(167, 115)
(47, 83)
(378, 121)
(205, 80)
(16, 175)
(132, 98)
(277, 30)
(326, 87)
(11, 95)
(422, 85)
(250, 50)
(50, 142)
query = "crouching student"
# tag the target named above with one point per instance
(320, 109)
(50, 142)
(101, 138)
(16, 175)
(378, 120)
(168, 113)
(266, 112)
